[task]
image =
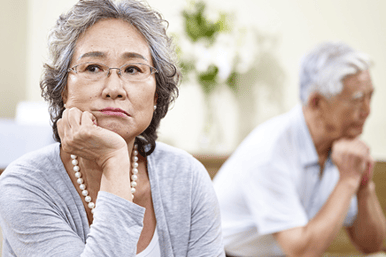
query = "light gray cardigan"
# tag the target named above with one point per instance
(41, 213)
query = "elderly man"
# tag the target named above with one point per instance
(299, 177)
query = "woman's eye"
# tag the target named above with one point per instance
(132, 69)
(94, 68)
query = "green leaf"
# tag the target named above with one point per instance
(208, 79)
(198, 27)
(232, 81)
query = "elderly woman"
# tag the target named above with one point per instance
(107, 188)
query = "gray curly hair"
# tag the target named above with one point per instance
(323, 69)
(62, 40)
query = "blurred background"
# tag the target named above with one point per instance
(241, 61)
(263, 41)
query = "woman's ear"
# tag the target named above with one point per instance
(155, 98)
(64, 95)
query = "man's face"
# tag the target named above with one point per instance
(346, 113)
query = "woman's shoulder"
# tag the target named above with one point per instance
(171, 159)
(168, 152)
(38, 161)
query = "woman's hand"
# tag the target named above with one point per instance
(81, 136)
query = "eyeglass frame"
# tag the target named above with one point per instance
(152, 69)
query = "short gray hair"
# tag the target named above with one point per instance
(323, 69)
(84, 14)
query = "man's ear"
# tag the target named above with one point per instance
(315, 101)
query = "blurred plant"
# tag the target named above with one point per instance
(212, 48)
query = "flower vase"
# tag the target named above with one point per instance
(211, 138)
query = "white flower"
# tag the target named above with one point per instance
(203, 57)
(224, 55)
(233, 50)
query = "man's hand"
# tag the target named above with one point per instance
(368, 175)
(352, 157)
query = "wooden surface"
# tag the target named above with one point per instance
(342, 244)
(212, 163)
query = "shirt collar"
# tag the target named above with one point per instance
(306, 147)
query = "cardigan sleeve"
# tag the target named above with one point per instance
(33, 225)
(205, 233)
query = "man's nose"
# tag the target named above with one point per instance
(365, 108)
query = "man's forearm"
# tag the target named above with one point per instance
(317, 235)
(369, 229)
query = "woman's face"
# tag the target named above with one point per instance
(119, 105)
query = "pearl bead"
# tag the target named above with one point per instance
(82, 186)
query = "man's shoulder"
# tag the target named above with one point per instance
(273, 143)
(272, 135)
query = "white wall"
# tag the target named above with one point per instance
(42, 17)
(287, 29)
(13, 28)
(291, 28)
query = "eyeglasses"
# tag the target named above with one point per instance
(131, 72)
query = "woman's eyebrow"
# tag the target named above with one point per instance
(131, 55)
(98, 54)
(93, 54)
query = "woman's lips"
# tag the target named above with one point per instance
(114, 112)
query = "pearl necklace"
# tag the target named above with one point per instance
(82, 185)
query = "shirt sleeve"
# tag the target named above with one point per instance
(273, 200)
(352, 212)
(205, 237)
(33, 225)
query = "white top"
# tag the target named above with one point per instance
(153, 249)
(271, 183)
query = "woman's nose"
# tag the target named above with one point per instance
(114, 86)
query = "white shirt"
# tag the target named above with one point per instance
(153, 249)
(271, 183)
